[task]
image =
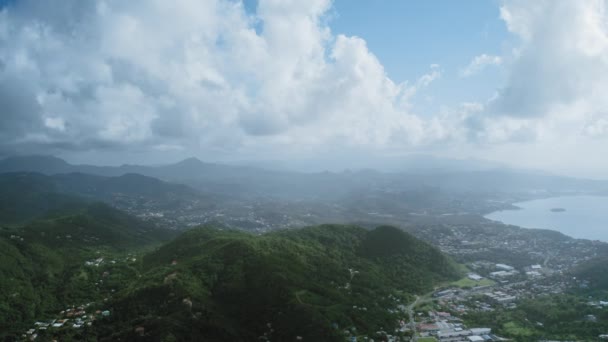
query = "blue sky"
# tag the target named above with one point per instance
(516, 81)
(408, 36)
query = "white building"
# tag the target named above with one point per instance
(474, 276)
(481, 331)
(505, 267)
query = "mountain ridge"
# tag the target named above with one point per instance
(251, 181)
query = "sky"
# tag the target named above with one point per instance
(111, 82)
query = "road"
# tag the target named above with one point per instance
(425, 298)
(410, 312)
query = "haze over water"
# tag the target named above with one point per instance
(586, 217)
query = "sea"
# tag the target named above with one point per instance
(583, 217)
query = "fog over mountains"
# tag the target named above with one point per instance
(447, 175)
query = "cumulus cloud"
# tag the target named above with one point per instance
(479, 63)
(558, 69)
(192, 74)
(555, 88)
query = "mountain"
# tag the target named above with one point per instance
(27, 195)
(129, 184)
(246, 182)
(35, 163)
(221, 285)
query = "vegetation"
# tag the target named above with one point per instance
(212, 284)
(43, 261)
(595, 272)
(208, 283)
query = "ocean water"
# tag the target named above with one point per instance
(586, 217)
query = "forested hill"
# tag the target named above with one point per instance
(44, 260)
(222, 285)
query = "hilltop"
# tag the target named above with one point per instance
(213, 284)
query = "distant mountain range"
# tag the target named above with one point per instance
(251, 181)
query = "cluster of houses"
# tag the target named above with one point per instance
(95, 262)
(447, 328)
(73, 317)
(500, 297)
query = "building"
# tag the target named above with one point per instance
(443, 335)
(481, 331)
(501, 274)
(474, 276)
(505, 267)
(500, 297)
(475, 338)
(429, 328)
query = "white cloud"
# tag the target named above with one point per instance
(558, 70)
(479, 63)
(555, 88)
(194, 74)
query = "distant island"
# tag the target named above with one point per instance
(558, 210)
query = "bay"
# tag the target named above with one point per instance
(583, 217)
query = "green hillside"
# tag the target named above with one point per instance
(26, 196)
(43, 262)
(218, 285)
(595, 273)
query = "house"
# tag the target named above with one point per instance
(443, 314)
(451, 334)
(430, 328)
(591, 318)
(474, 276)
(475, 338)
(503, 273)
